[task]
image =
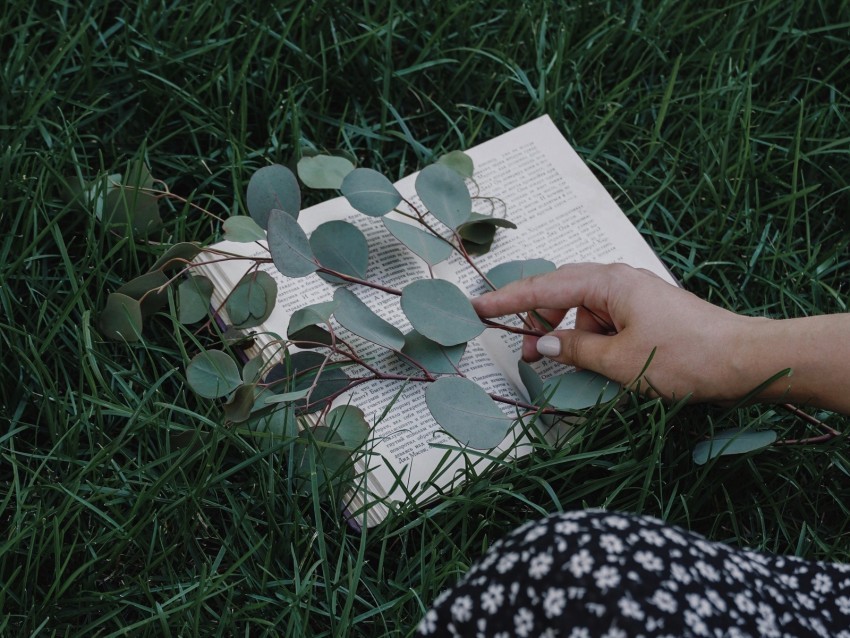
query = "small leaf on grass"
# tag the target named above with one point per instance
(459, 162)
(340, 246)
(252, 300)
(466, 412)
(273, 188)
(177, 256)
(121, 319)
(213, 374)
(145, 289)
(349, 422)
(322, 459)
(242, 228)
(439, 310)
(289, 247)
(369, 192)
(430, 248)
(356, 316)
(238, 407)
(125, 205)
(324, 171)
(505, 273)
(193, 298)
(578, 390)
(444, 194)
(732, 441)
(435, 358)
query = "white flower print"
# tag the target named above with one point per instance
(822, 584)
(534, 533)
(581, 563)
(540, 565)
(708, 572)
(664, 601)
(507, 562)
(566, 527)
(699, 604)
(652, 537)
(744, 604)
(617, 522)
(554, 602)
(493, 598)
(428, 624)
(610, 543)
(843, 603)
(681, 574)
(649, 561)
(614, 632)
(462, 609)
(630, 608)
(579, 632)
(716, 599)
(606, 576)
(523, 622)
(805, 600)
(695, 623)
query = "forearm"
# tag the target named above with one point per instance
(816, 350)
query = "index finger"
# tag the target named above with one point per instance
(569, 286)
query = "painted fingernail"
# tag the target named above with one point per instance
(549, 346)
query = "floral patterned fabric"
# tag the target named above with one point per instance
(594, 573)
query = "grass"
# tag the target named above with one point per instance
(128, 508)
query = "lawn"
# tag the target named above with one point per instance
(128, 506)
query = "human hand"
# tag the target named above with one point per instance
(634, 328)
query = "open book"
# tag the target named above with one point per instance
(562, 214)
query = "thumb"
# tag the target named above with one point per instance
(579, 348)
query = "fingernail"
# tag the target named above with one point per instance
(549, 346)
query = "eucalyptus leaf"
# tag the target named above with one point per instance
(466, 412)
(289, 247)
(311, 337)
(193, 299)
(253, 369)
(252, 300)
(356, 316)
(340, 246)
(213, 374)
(430, 248)
(369, 192)
(178, 256)
(146, 289)
(287, 397)
(323, 462)
(578, 390)
(435, 358)
(459, 162)
(128, 206)
(732, 441)
(121, 319)
(444, 194)
(273, 188)
(324, 171)
(273, 425)
(237, 409)
(505, 273)
(439, 310)
(532, 381)
(349, 423)
(310, 316)
(299, 373)
(241, 228)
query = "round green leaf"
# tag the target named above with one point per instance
(369, 192)
(213, 374)
(287, 397)
(349, 423)
(505, 273)
(253, 369)
(732, 441)
(273, 188)
(444, 194)
(440, 311)
(340, 246)
(324, 171)
(430, 248)
(299, 373)
(466, 412)
(121, 319)
(578, 390)
(177, 256)
(532, 382)
(356, 316)
(145, 288)
(310, 316)
(252, 300)
(459, 162)
(435, 358)
(289, 247)
(242, 228)
(128, 205)
(193, 298)
(238, 407)
(323, 462)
